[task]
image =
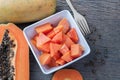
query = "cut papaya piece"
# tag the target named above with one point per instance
(45, 47)
(58, 29)
(45, 58)
(51, 34)
(54, 48)
(19, 63)
(60, 61)
(68, 41)
(64, 49)
(67, 74)
(65, 24)
(33, 42)
(67, 57)
(35, 37)
(73, 35)
(76, 50)
(57, 56)
(45, 28)
(52, 63)
(42, 39)
(58, 38)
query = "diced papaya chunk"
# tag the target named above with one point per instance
(45, 28)
(58, 29)
(73, 35)
(64, 49)
(57, 56)
(35, 37)
(42, 39)
(54, 48)
(68, 41)
(60, 61)
(67, 57)
(52, 63)
(33, 42)
(51, 34)
(58, 38)
(76, 50)
(65, 24)
(45, 58)
(45, 47)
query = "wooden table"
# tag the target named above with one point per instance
(103, 63)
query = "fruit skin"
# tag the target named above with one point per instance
(22, 54)
(25, 10)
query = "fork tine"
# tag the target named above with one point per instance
(87, 27)
(81, 27)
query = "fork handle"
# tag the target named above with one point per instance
(71, 6)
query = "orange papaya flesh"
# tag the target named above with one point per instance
(21, 63)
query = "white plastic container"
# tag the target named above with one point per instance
(29, 32)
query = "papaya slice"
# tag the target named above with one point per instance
(73, 35)
(60, 61)
(45, 28)
(67, 57)
(65, 24)
(45, 47)
(58, 38)
(67, 74)
(51, 34)
(45, 58)
(52, 63)
(33, 42)
(58, 29)
(57, 56)
(64, 49)
(35, 37)
(54, 48)
(76, 50)
(20, 58)
(68, 41)
(42, 39)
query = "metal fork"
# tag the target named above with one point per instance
(80, 20)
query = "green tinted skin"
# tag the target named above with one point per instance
(21, 11)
